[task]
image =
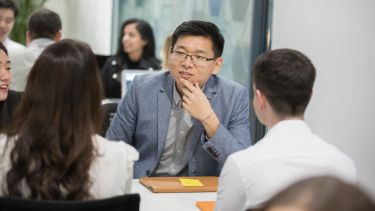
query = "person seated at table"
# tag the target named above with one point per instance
(325, 193)
(136, 50)
(185, 121)
(51, 151)
(282, 84)
(9, 99)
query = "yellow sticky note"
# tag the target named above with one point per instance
(190, 182)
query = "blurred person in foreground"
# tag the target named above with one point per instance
(325, 193)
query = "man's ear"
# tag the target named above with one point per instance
(57, 36)
(28, 37)
(261, 98)
(217, 65)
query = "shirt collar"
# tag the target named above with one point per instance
(176, 97)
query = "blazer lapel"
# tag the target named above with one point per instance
(164, 100)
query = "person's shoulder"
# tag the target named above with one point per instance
(12, 45)
(227, 87)
(228, 83)
(115, 148)
(252, 155)
(151, 79)
(19, 53)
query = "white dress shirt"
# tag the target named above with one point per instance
(288, 153)
(23, 60)
(111, 172)
(12, 47)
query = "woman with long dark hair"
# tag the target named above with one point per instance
(136, 50)
(52, 150)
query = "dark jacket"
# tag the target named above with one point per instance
(7, 108)
(111, 74)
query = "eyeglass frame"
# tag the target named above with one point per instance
(191, 56)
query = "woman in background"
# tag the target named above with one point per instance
(136, 50)
(8, 98)
(52, 152)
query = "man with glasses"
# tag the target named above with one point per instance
(185, 122)
(8, 12)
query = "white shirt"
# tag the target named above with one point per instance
(288, 153)
(23, 60)
(12, 47)
(111, 172)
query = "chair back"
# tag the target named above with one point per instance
(129, 202)
(109, 110)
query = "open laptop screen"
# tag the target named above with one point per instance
(127, 76)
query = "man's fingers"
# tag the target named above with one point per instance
(186, 92)
(186, 100)
(187, 84)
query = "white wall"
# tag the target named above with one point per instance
(86, 20)
(339, 37)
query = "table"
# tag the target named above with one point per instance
(169, 201)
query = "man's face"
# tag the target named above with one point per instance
(196, 69)
(6, 22)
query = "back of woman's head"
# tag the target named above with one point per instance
(59, 113)
(323, 193)
(147, 34)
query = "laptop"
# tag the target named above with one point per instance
(127, 76)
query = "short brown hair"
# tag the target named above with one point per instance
(286, 77)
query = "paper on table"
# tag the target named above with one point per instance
(190, 182)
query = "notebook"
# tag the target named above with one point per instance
(175, 185)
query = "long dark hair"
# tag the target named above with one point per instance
(147, 34)
(58, 114)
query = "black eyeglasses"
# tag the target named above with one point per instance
(180, 56)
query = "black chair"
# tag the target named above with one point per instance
(109, 109)
(101, 59)
(129, 202)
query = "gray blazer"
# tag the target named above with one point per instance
(142, 120)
